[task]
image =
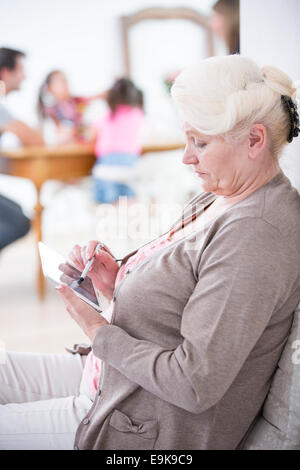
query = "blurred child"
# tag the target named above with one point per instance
(55, 102)
(118, 144)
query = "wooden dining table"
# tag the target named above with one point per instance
(58, 162)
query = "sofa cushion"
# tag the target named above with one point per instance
(279, 426)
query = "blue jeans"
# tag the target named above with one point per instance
(110, 191)
(13, 223)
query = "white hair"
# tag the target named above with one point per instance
(225, 95)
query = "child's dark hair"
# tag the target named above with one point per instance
(42, 92)
(124, 92)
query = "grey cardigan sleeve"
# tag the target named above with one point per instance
(240, 284)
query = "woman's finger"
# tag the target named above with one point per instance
(90, 249)
(77, 254)
(66, 279)
(106, 260)
(75, 257)
(83, 254)
(71, 301)
(69, 270)
(105, 248)
(86, 288)
(68, 295)
(91, 246)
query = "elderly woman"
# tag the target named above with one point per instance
(198, 318)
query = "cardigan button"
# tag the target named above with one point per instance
(76, 448)
(86, 421)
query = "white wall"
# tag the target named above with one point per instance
(270, 34)
(81, 37)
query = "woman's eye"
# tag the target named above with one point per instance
(200, 145)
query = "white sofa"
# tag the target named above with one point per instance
(279, 426)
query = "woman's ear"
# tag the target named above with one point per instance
(256, 140)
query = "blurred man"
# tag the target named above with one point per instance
(13, 223)
(11, 77)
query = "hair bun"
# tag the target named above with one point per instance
(278, 81)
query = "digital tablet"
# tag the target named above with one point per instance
(51, 260)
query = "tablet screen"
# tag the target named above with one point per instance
(51, 263)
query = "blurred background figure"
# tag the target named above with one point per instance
(11, 76)
(57, 104)
(225, 22)
(13, 223)
(118, 144)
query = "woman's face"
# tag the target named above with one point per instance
(217, 24)
(220, 164)
(59, 87)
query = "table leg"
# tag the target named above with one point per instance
(38, 231)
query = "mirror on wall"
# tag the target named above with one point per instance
(158, 43)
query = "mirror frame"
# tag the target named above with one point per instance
(163, 14)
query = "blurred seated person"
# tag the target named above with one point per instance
(55, 102)
(118, 144)
(11, 77)
(13, 223)
(225, 22)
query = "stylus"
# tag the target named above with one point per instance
(87, 267)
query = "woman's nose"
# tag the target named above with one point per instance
(189, 157)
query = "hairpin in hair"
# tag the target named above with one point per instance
(292, 110)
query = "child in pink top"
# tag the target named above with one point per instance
(118, 144)
(119, 132)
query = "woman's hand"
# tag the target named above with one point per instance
(87, 317)
(104, 270)
(71, 274)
